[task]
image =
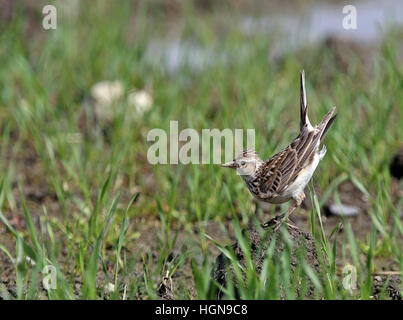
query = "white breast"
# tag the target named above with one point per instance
(298, 186)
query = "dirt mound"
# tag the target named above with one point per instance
(223, 271)
(259, 243)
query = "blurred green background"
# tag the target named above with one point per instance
(77, 102)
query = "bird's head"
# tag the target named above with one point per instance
(246, 164)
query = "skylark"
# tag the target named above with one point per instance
(285, 175)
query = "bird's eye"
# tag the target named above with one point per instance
(243, 163)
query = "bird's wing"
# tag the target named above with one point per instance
(277, 170)
(282, 169)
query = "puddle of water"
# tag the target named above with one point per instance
(173, 54)
(323, 20)
(315, 24)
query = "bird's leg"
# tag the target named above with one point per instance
(290, 211)
(294, 206)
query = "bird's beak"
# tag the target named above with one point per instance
(230, 164)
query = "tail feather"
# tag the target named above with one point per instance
(327, 120)
(326, 123)
(303, 103)
(320, 130)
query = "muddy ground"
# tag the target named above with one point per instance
(38, 194)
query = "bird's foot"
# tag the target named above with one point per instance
(280, 222)
(285, 216)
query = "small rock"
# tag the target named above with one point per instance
(110, 288)
(140, 100)
(341, 210)
(396, 167)
(106, 92)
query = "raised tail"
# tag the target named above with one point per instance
(303, 104)
(326, 123)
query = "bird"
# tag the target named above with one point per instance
(285, 175)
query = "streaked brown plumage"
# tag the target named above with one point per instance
(285, 175)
